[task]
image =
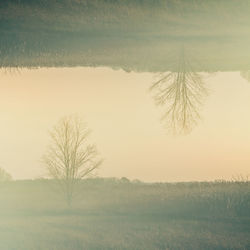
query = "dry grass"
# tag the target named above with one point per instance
(180, 17)
(113, 214)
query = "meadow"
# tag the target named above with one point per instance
(171, 17)
(137, 35)
(123, 214)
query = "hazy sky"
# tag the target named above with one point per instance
(125, 123)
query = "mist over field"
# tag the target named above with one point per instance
(124, 124)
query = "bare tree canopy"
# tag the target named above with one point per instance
(181, 93)
(4, 176)
(69, 158)
(245, 75)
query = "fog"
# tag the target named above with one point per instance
(126, 124)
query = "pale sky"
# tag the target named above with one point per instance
(125, 124)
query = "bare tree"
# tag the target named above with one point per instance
(4, 176)
(69, 158)
(181, 93)
(246, 75)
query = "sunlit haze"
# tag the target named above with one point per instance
(125, 124)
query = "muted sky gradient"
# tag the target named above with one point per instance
(125, 124)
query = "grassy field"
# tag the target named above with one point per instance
(176, 17)
(137, 35)
(118, 214)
